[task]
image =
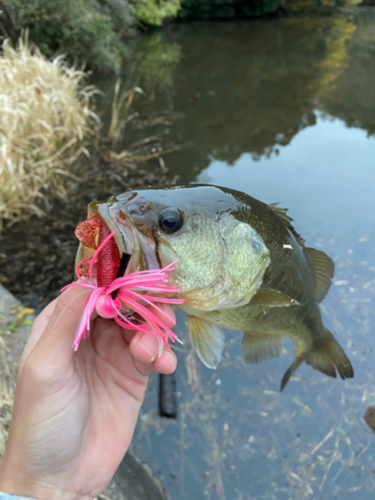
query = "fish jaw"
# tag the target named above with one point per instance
(91, 233)
(123, 237)
(140, 245)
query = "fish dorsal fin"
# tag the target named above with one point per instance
(207, 340)
(272, 298)
(284, 217)
(323, 270)
(257, 346)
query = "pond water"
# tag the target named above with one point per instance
(285, 111)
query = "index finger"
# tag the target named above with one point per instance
(164, 312)
(39, 325)
(56, 340)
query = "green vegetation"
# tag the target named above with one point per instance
(96, 32)
(19, 317)
(89, 30)
(154, 12)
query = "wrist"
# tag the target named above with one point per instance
(14, 481)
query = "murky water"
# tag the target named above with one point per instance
(285, 111)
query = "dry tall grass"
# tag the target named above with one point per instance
(44, 117)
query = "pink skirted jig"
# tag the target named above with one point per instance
(137, 292)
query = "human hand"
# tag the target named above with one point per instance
(75, 412)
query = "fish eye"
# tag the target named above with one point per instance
(170, 220)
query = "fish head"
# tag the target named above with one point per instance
(220, 260)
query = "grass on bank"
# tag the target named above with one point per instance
(44, 117)
(46, 125)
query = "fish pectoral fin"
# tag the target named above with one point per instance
(207, 340)
(272, 298)
(292, 368)
(257, 346)
(323, 270)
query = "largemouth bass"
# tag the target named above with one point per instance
(240, 265)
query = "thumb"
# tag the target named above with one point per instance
(55, 343)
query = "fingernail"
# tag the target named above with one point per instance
(171, 358)
(170, 322)
(150, 344)
(161, 347)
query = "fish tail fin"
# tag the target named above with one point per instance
(292, 368)
(331, 357)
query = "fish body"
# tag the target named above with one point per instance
(240, 265)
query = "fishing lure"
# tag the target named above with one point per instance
(119, 297)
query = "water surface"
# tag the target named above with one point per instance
(285, 111)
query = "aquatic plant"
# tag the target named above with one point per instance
(44, 117)
(122, 100)
(110, 143)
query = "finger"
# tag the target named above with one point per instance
(166, 314)
(167, 363)
(145, 348)
(150, 354)
(57, 338)
(37, 329)
(41, 321)
(128, 335)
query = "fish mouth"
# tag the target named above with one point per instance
(123, 234)
(101, 246)
(103, 220)
(140, 244)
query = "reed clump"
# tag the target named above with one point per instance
(44, 118)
